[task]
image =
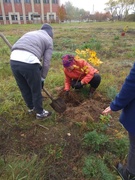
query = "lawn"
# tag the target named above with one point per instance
(79, 144)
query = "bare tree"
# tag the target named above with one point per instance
(120, 8)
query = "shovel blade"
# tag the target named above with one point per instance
(58, 105)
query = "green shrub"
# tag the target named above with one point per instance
(111, 92)
(95, 140)
(94, 167)
(130, 17)
(119, 147)
(116, 37)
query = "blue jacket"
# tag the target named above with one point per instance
(125, 100)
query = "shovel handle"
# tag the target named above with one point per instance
(47, 93)
(5, 40)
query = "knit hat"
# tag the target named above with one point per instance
(67, 60)
(48, 29)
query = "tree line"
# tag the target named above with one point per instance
(115, 10)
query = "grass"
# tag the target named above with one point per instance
(63, 146)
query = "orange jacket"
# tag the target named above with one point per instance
(82, 71)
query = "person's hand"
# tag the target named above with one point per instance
(107, 111)
(42, 84)
(40, 67)
(78, 85)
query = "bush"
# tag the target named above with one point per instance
(94, 140)
(130, 17)
(95, 168)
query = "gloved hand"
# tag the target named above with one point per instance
(78, 85)
(42, 82)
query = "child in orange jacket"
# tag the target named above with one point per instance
(79, 73)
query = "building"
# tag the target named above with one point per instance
(28, 11)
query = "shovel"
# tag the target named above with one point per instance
(57, 104)
(5, 40)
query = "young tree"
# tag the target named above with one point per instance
(62, 13)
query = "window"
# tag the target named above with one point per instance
(51, 17)
(14, 17)
(17, 1)
(6, 1)
(46, 1)
(7, 17)
(27, 18)
(45, 18)
(31, 17)
(21, 18)
(55, 1)
(26, 1)
(1, 18)
(37, 1)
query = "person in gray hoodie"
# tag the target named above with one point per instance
(25, 62)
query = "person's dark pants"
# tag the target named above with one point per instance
(28, 78)
(131, 155)
(94, 82)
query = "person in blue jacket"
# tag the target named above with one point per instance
(125, 101)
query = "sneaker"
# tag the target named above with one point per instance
(43, 115)
(124, 173)
(31, 111)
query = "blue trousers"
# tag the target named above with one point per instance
(131, 155)
(28, 78)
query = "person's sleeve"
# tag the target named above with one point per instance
(126, 94)
(46, 62)
(67, 83)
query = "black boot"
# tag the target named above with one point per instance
(124, 173)
(91, 92)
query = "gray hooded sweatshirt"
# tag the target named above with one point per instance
(38, 43)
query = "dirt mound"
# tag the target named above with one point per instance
(81, 108)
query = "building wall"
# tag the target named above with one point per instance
(28, 8)
(7, 8)
(21, 13)
(37, 8)
(18, 8)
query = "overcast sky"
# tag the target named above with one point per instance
(88, 5)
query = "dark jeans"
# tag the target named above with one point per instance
(94, 82)
(131, 155)
(28, 79)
